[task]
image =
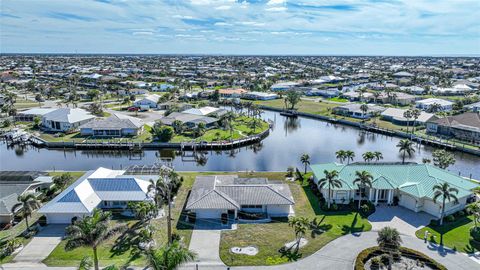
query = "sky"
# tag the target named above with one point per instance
(258, 27)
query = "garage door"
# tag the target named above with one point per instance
(209, 213)
(431, 208)
(408, 201)
(60, 218)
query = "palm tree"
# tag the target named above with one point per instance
(299, 224)
(349, 155)
(378, 155)
(376, 95)
(415, 114)
(389, 241)
(364, 109)
(91, 231)
(27, 203)
(368, 156)
(330, 180)
(408, 115)
(445, 192)
(305, 159)
(341, 155)
(474, 209)
(177, 126)
(363, 179)
(200, 130)
(435, 107)
(169, 257)
(405, 147)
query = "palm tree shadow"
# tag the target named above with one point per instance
(292, 254)
(128, 241)
(352, 229)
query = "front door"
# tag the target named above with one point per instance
(382, 195)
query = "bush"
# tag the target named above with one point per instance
(460, 213)
(42, 221)
(434, 222)
(450, 218)
(475, 233)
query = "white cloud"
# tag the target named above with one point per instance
(222, 24)
(142, 33)
(276, 2)
(223, 7)
(274, 9)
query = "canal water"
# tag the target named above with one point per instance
(282, 148)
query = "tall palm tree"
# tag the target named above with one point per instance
(389, 241)
(27, 203)
(408, 115)
(368, 156)
(169, 257)
(364, 108)
(330, 180)
(305, 159)
(415, 114)
(378, 155)
(349, 155)
(341, 155)
(405, 147)
(91, 231)
(445, 192)
(363, 179)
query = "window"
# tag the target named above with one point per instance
(252, 206)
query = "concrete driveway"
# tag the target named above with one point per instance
(404, 220)
(41, 245)
(205, 242)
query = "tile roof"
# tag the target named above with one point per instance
(415, 179)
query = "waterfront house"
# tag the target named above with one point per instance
(465, 126)
(410, 185)
(284, 86)
(354, 110)
(231, 93)
(397, 98)
(147, 102)
(102, 188)
(206, 111)
(396, 116)
(65, 119)
(260, 96)
(475, 107)
(16, 183)
(117, 125)
(31, 114)
(189, 120)
(214, 195)
(426, 104)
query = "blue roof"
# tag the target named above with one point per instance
(70, 197)
(114, 184)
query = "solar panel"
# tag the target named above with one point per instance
(70, 197)
(114, 184)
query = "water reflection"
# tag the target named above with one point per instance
(282, 148)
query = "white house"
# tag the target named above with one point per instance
(214, 195)
(65, 119)
(426, 104)
(411, 185)
(117, 125)
(148, 102)
(102, 188)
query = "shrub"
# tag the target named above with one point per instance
(42, 221)
(334, 207)
(460, 213)
(434, 222)
(450, 218)
(475, 233)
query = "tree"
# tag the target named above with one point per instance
(389, 241)
(143, 210)
(163, 133)
(27, 203)
(169, 257)
(91, 231)
(96, 108)
(363, 179)
(405, 147)
(36, 122)
(38, 98)
(61, 181)
(86, 264)
(474, 209)
(254, 124)
(341, 155)
(415, 114)
(364, 108)
(408, 115)
(305, 159)
(164, 189)
(435, 107)
(291, 99)
(177, 126)
(444, 192)
(368, 156)
(443, 159)
(331, 180)
(200, 130)
(378, 155)
(349, 155)
(300, 226)
(93, 94)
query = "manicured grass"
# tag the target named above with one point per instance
(337, 99)
(145, 136)
(270, 237)
(455, 234)
(9, 258)
(308, 106)
(23, 104)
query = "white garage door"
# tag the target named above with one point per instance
(60, 218)
(431, 208)
(408, 201)
(209, 213)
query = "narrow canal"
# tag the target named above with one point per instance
(282, 148)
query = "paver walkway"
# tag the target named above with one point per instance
(404, 220)
(41, 245)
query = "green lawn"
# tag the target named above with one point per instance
(308, 106)
(337, 99)
(23, 104)
(270, 237)
(455, 234)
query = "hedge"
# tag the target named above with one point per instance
(369, 253)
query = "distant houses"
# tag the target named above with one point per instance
(465, 126)
(148, 102)
(355, 110)
(427, 104)
(260, 96)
